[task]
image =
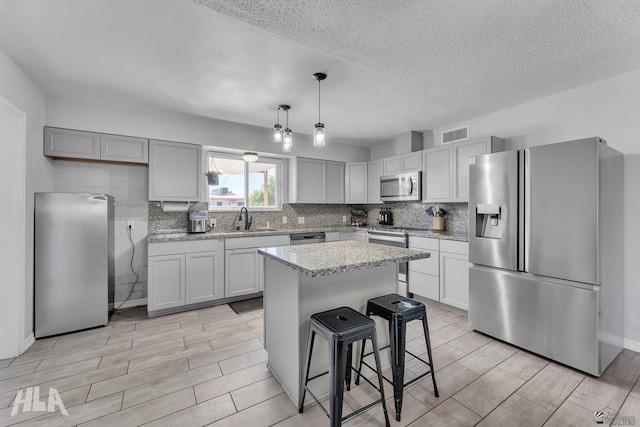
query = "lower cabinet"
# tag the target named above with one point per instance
(244, 266)
(243, 269)
(424, 274)
(444, 276)
(454, 273)
(185, 272)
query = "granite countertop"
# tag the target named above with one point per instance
(177, 236)
(181, 235)
(339, 257)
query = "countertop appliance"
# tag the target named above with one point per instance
(402, 187)
(198, 221)
(74, 263)
(306, 238)
(545, 240)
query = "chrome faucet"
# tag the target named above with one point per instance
(247, 221)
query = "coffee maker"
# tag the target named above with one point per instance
(198, 221)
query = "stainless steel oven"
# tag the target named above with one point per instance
(398, 238)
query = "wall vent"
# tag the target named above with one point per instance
(455, 135)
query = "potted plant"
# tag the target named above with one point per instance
(212, 177)
(438, 215)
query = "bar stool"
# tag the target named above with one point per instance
(398, 311)
(341, 327)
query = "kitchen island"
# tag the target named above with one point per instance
(307, 279)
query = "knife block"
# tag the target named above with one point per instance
(438, 223)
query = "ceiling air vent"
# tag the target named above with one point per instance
(455, 135)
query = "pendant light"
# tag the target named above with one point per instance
(287, 137)
(318, 131)
(277, 129)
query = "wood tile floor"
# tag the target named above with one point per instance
(208, 367)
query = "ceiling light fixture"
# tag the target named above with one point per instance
(277, 129)
(318, 131)
(250, 157)
(287, 137)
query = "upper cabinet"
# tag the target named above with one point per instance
(410, 162)
(436, 178)
(335, 182)
(462, 151)
(316, 181)
(124, 149)
(446, 169)
(374, 172)
(175, 172)
(75, 144)
(356, 183)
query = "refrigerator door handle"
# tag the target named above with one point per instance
(524, 209)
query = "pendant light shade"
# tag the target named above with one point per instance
(277, 133)
(319, 139)
(287, 136)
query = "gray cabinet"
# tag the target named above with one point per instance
(356, 183)
(76, 144)
(316, 181)
(436, 178)
(175, 172)
(424, 274)
(71, 143)
(243, 272)
(461, 153)
(244, 266)
(410, 162)
(454, 274)
(184, 272)
(128, 149)
(374, 172)
(166, 282)
(335, 182)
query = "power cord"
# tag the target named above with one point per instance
(133, 251)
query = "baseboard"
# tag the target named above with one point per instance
(26, 343)
(631, 344)
(131, 303)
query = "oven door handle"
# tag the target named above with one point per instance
(382, 238)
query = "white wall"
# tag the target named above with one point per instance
(82, 115)
(609, 109)
(19, 90)
(129, 185)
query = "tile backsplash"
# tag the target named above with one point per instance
(315, 215)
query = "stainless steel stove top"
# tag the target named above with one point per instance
(389, 229)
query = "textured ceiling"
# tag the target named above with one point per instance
(392, 66)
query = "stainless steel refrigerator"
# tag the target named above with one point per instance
(74, 264)
(545, 241)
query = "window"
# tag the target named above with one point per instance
(234, 183)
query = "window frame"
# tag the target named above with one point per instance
(279, 164)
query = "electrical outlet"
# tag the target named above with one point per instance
(344, 218)
(284, 219)
(130, 224)
(212, 222)
(300, 220)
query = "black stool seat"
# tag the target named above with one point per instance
(341, 327)
(398, 311)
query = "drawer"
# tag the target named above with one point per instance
(424, 285)
(424, 243)
(454, 247)
(185, 246)
(429, 265)
(257, 242)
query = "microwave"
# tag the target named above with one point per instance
(401, 187)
